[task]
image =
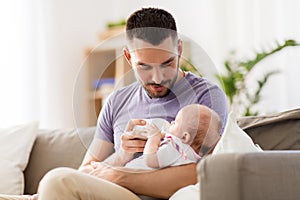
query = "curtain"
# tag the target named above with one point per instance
(18, 74)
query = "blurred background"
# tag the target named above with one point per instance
(44, 45)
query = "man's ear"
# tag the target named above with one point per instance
(179, 46)
(186, 137)
(127, 55)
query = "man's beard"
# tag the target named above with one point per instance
(154, 95)
(163, 84)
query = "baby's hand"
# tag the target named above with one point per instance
(153, 130)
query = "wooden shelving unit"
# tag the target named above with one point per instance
(106, 61)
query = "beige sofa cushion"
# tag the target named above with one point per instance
(272, 175)
(56, 148)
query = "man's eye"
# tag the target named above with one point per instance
(144, 67)
(167, 65)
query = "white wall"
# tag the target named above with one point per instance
(67, 29)
(249, 26)
(62, 30)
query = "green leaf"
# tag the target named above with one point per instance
(236, 76)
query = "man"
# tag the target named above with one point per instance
(162, 89)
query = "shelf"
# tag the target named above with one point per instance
(105, 63)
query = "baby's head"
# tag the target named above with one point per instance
(193, 123)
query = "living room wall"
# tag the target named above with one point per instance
(58, 32)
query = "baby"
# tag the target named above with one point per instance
(195, 131)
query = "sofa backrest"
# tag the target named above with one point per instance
(66, 148)
(56, 148)
(280, 131)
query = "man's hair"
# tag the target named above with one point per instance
(151, 25)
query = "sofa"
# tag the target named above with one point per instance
(271, 174)
(56, 148)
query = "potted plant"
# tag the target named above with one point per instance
(236, 74)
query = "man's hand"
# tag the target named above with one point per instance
(107, 172)
(87, 168)
(131, 143)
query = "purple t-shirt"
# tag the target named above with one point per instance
(132, 102)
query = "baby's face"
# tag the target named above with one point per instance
(176, 125)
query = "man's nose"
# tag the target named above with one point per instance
(157, 75)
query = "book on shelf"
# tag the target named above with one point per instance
(103, 81)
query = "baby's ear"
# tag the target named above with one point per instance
(186, 138)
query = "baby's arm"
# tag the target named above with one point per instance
(150, 151)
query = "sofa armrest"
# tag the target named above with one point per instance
(247, 176)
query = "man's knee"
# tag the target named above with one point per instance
(57, 179)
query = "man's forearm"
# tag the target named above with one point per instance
(119, 158)
(160, 183)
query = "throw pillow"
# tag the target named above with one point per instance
(234, 139)
(15, 147)
(191, 192)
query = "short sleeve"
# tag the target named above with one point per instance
(173, 152)
(104, 130)
(167, 155)
(215, 99)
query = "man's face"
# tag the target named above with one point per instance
(155, 67)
